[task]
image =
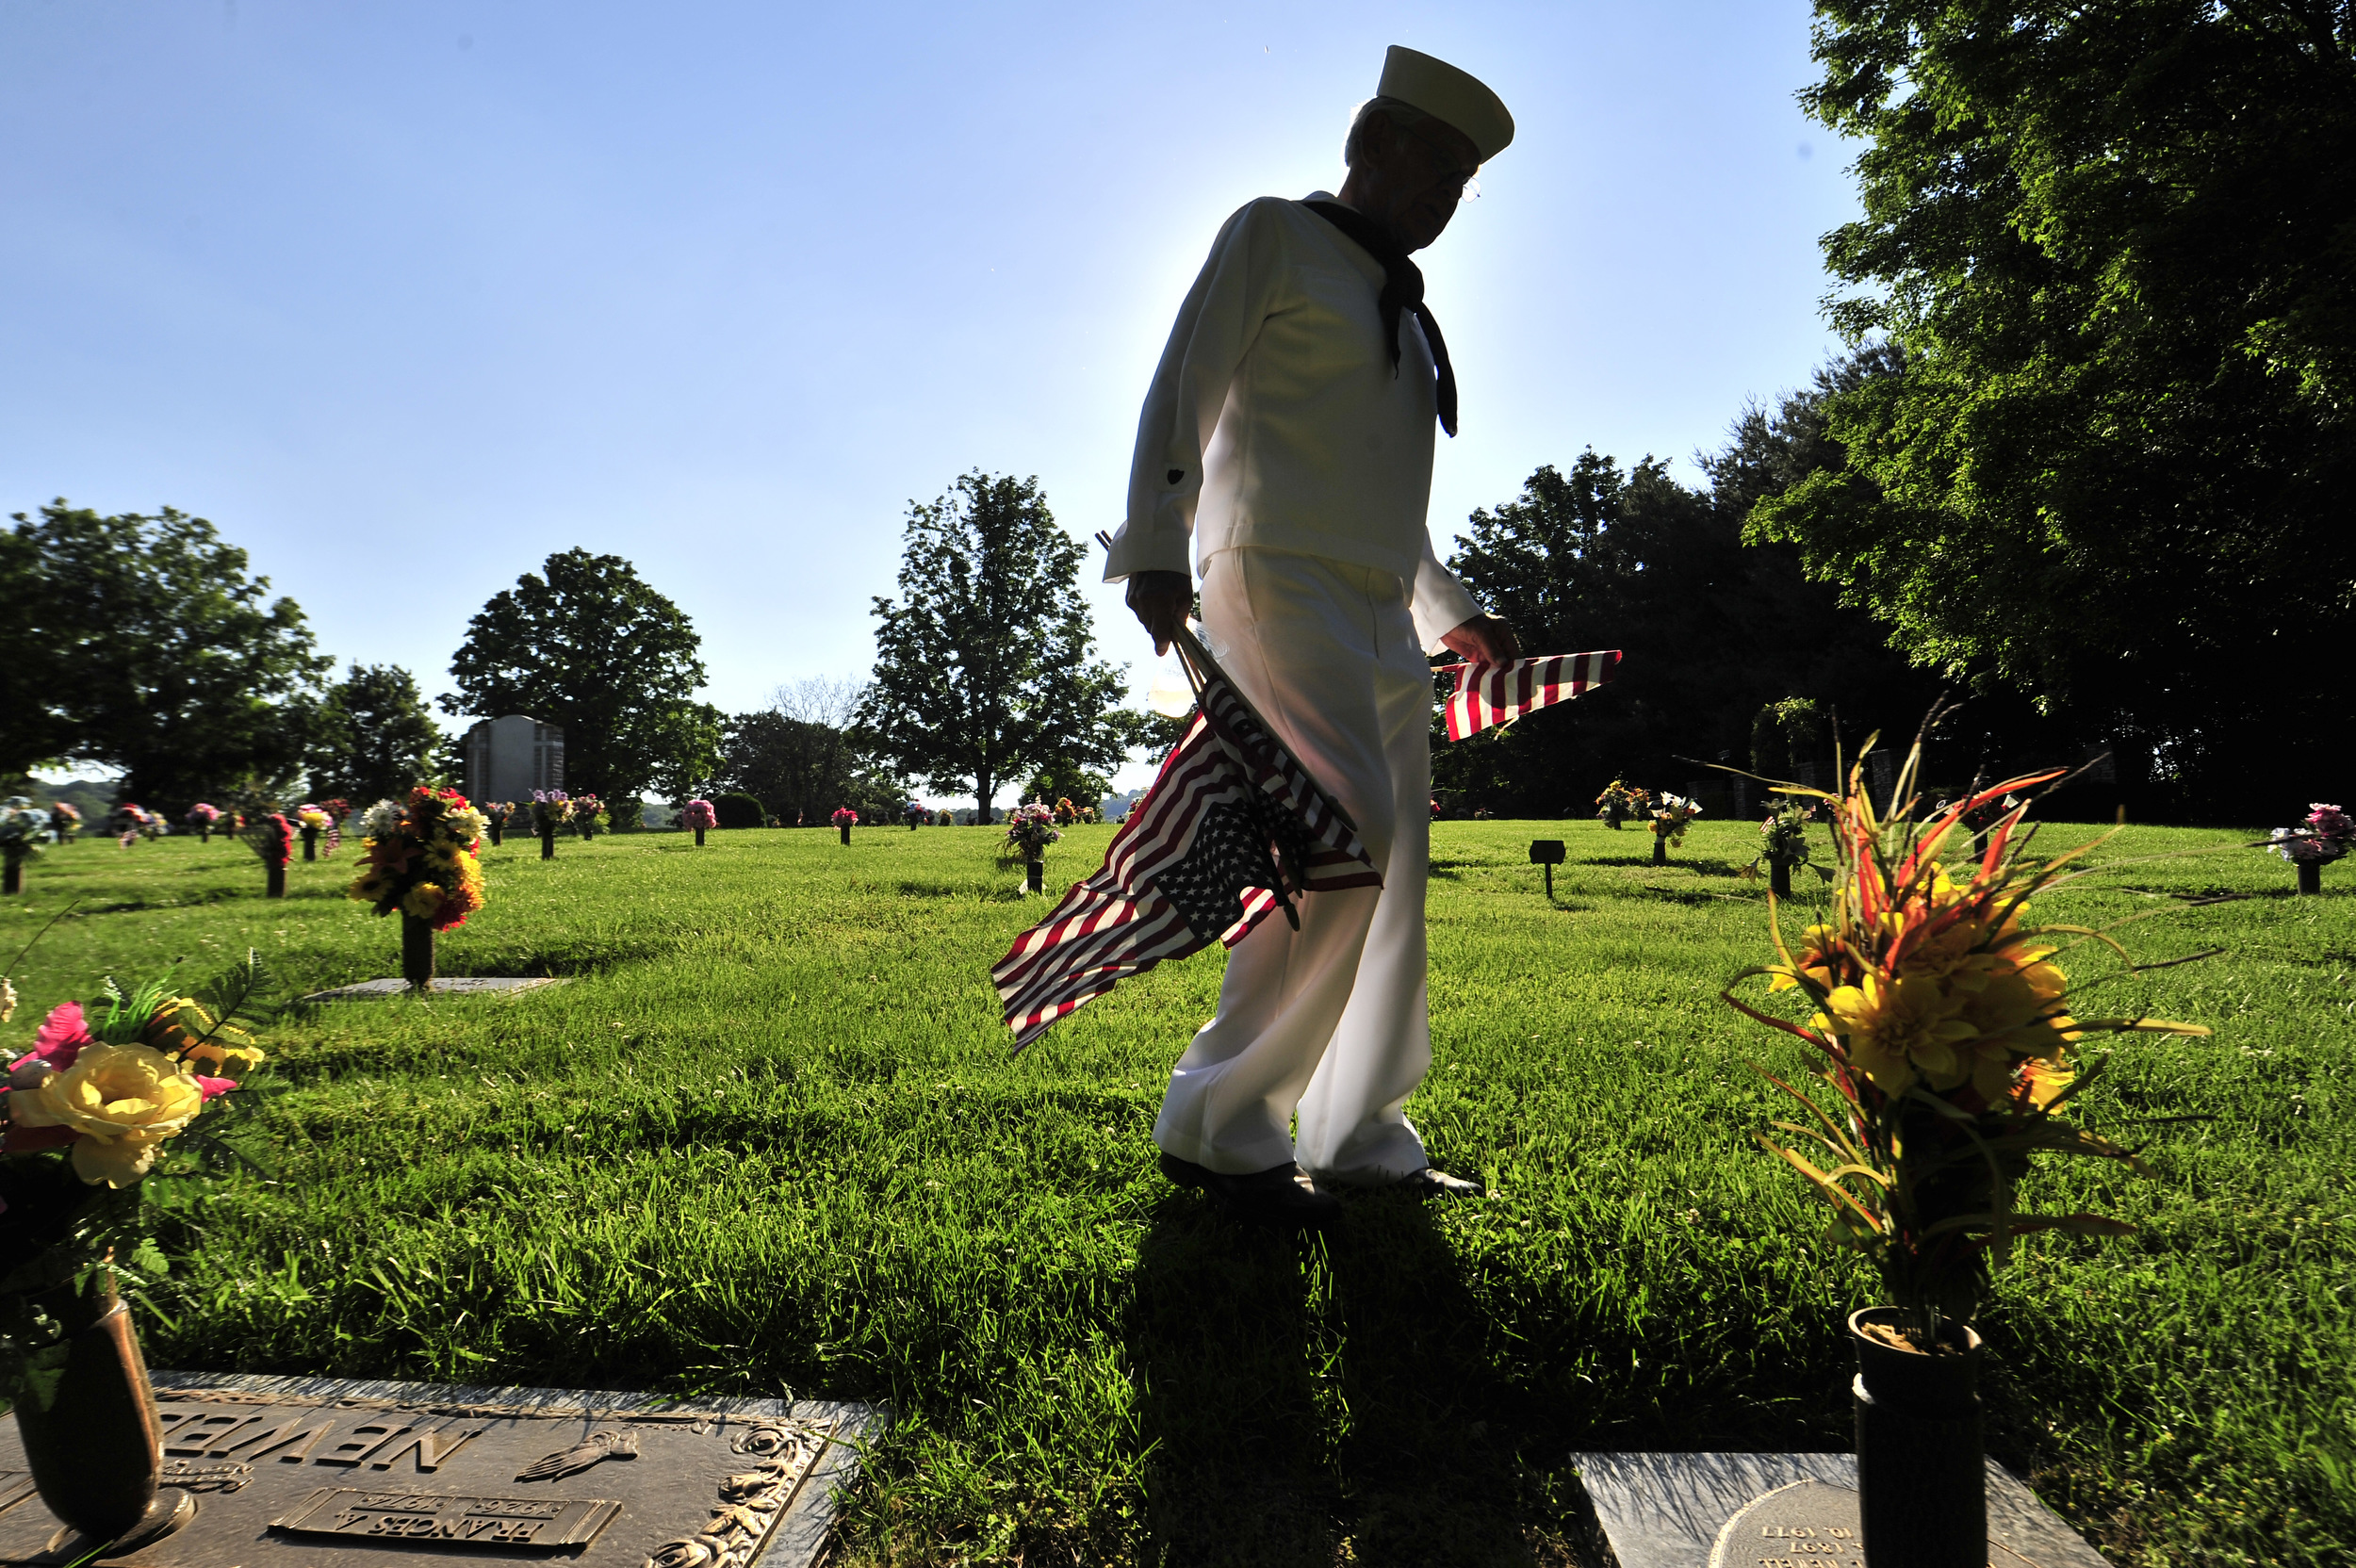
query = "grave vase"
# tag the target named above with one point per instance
(547, 841)
(1034, 876)
(2310, 877)
(1779, 878)
(846, 832)
(87, 1417)
(700, 838)
(204, 833)
(496, 826)
(1921, 1477)
(274, 879)
(12, 872)
(417, 952)
(310, 844)
(1660, 849)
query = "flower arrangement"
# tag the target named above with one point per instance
(23, 825)
(271, 837)
(1030, 830)
(2320, 839)
(315, 820)
(1783, 844)
(110, 1093)
(110, 1084)
(551, 810)
(203, 817)
(700, 816)
(1065, 814)
(66, 817)
(588, 811)
(1619, 801)
(422, 857)
(1946, 1035)
(844, 817)
(1672, 814)
(132, 822)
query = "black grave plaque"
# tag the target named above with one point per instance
(292, 1473)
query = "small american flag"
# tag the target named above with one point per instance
(1233, 829)
(1499, 694)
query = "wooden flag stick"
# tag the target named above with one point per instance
(1201, 665)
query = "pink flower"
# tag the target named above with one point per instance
(61, 1038)
(214, 1088)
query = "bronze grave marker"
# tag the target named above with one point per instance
(315, 1472)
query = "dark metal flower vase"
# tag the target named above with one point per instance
(547, 843)
(2310, 877)
(1779, 878)
(12, 875)
(1034, 876)
(274, 880)
(94, 1446)
(1921, 1481)
(497, 829)
(700, 838)
(310, 845)
(846, 832)
(1660, 849)
(1613, 817)
(417, 953)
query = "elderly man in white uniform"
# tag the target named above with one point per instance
(1288, 439)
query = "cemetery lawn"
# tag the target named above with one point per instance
(770, 1138)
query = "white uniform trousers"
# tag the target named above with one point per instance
(1329, 1021)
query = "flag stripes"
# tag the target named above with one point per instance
(1490, 695)
(1121, 920)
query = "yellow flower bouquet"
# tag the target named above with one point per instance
(1943, 1023)
(92, 1106)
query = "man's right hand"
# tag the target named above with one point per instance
(1161, 600)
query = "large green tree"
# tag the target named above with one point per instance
(1607, 557)
(2116, 244)
(588, 645)
(374, 736)
(142, 642)
(985, 666)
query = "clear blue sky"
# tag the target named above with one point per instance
(404, 296)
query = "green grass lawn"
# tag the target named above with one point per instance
(770, 1138)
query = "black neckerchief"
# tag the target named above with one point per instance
(1402, 289)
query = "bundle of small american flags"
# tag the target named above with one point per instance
(1233, 829)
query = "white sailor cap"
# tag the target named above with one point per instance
(1447, 93)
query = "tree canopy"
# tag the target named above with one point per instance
(588, 645)
(373, 736)
(140, 643)
(985, 670)
(2113, 467)
(802, 756)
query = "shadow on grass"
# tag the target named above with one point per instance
(1313, 1401)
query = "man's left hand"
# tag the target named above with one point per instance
(1483, 640)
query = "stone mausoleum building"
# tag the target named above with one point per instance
(508, 758)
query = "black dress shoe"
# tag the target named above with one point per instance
(1281, 1195)
(1434, 1185)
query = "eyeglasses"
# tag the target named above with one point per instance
(1463, 176)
